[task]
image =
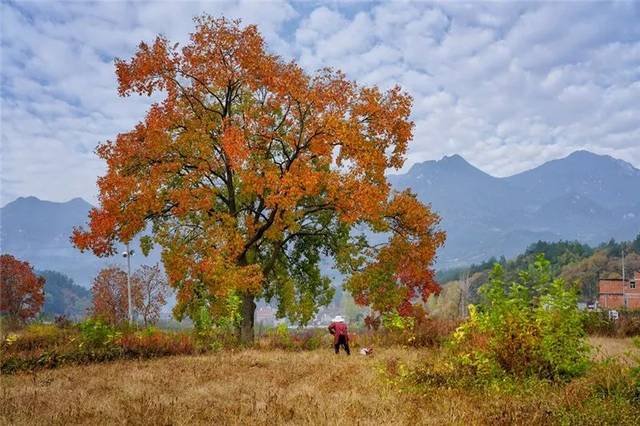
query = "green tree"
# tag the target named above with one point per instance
(529, 326)
(635, 245)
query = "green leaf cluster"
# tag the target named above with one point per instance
(528, 326)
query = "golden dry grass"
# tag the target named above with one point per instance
(258, 387)
(621, 348)
(261, 387)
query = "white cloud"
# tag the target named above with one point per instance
(507, 85)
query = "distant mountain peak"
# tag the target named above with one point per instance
(585, 164)
(450, 163)
(455, 158)
(28, 198)
(584, 155)
(32, 201)
(78, 201)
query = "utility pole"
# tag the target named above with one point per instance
(128, 255)
(623, 279)
(623, 276)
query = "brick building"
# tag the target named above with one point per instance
(618, 293)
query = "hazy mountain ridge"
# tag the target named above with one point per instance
(585, 197)
(39, 231)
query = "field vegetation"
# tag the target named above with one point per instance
(522, 357)
(275, 386)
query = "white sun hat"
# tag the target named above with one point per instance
(338, 319)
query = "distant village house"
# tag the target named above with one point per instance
(619, 293)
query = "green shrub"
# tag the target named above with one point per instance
(277, 337)
(599, 323)
(611, 379)
(96, 334)
(528, 327)
(214, 334)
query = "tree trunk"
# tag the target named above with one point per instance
(248, 315)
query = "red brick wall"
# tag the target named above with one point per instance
(633, 302)
(613, 293)
(633, 294)
(610, 286)
(611, 301)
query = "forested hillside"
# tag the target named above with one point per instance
(575, 262)
(63, 297)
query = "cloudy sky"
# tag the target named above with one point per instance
(506, 85)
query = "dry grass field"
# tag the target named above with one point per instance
(267, 387)
(620, 348)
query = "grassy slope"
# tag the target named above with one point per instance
(257, 387)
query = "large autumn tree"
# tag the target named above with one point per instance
(250, 171)
(21, 290)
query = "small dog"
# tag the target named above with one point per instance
(366, 351)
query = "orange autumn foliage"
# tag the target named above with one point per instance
(249, 167)
(21, 290)
(109, 296)
(149, 291)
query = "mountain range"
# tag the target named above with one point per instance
(38, 231)
(586, 197)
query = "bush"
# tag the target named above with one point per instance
(35, 336)
(47, 346)
(528, 327)
(611, 379)
(281, 337)
(96, 334)
(416, 330)
(429, 332)
(599, 323)
(628, 326)
(214, 334)
(152, 343)
(62, 321)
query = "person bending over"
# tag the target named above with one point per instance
(340, 334)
